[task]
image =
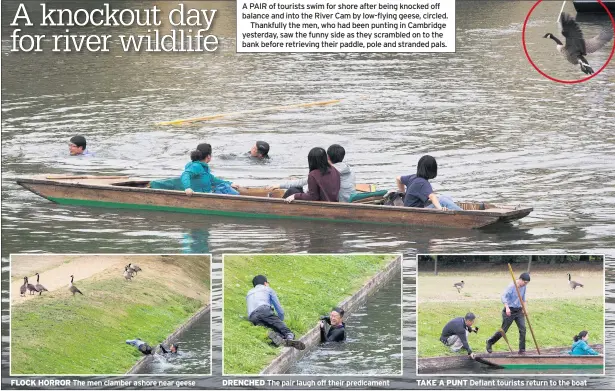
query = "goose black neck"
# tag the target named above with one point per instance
(557, 41)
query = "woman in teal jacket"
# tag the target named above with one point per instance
(197, 177)
(580, 346)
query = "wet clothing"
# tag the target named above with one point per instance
(510, 296)
(262, 295)
(455, 334)
(197, 177)
(581, 348)
(141, 345)
(418, 191)
(322, 187)
(516, 316)
(335, 334)
(264, 316)
(165, 350)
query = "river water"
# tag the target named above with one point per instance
(373, 339)
(194, 352)
(500, 131)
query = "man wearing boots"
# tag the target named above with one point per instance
(512, 312)
(260, 301)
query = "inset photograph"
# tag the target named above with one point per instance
(510, 314)
(110, 314)
(312, 314)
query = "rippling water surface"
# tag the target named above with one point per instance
(501, 133)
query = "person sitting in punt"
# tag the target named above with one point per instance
(323, 179)
(197, 177)
(418, 190)
(580, 347)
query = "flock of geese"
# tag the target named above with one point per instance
(130, 270)
(573, 284)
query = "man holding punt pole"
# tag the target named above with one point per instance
(513, 312)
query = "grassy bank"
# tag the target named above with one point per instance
(57, 333)
(307, 286)
(555, 322)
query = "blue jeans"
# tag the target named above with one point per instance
(446, 202)
(225, 188)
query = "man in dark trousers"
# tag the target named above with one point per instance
(455, 333)
(337, 329)
(512, 312)
(260, 301)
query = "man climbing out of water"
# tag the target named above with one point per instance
(260, 150)
(260, 300)
(455, 333)
(77, 146)
(512, 312)
(141, 345)
(172, 348)
(337, 331)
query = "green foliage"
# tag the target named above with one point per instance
(555, 322)
(308, 286)
(62, 334)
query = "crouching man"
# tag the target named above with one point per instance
(455, 333)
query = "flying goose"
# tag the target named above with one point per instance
(24, 287)
(573, 284)
(73, 288)
(127, 274)
(31, 287)
(39, 287)
(576, 46)
(459, 285)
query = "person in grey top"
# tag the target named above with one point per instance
(455, 333)
(336, 154)
(260, 301)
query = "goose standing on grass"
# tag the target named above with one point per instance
(459, 285)
(39, 287)
(573, 284)
(73, 288)
(24, 287)
(31, 287)
(127, 274)
(136, 268)
(576, 46)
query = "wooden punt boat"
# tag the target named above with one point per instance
(540, 362)
(133, 193)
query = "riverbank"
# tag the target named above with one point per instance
(308, 286)
(57, 333)
(555, 322)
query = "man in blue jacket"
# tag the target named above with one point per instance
(260, 301)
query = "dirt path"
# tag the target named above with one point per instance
(58, 268)
(489, 286)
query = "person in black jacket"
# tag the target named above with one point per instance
(337, 329)
(455, 333)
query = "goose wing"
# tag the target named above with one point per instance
(599, 40)
(575, 44)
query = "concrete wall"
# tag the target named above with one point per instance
(289, 356)
(171, 338)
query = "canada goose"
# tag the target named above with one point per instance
(133, 268)
(576, 46)
(573, 284)
(73, 288)
(136, 267)
(31, 287)
(39, 287)
(459, 285)
(127, 274)
(24, 287)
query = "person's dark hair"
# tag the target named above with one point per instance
(580, 335)
(427, 167)
(78, 141)
(470, 316)
(205, 149)
(262, 147)
(196, 156)
(525, 277)
(317, 160)
(336, 153)
(339, 311)
(259, 280)
(176, 347)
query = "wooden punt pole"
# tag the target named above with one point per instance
(216, 116)
(506, 339)
(523, 306)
